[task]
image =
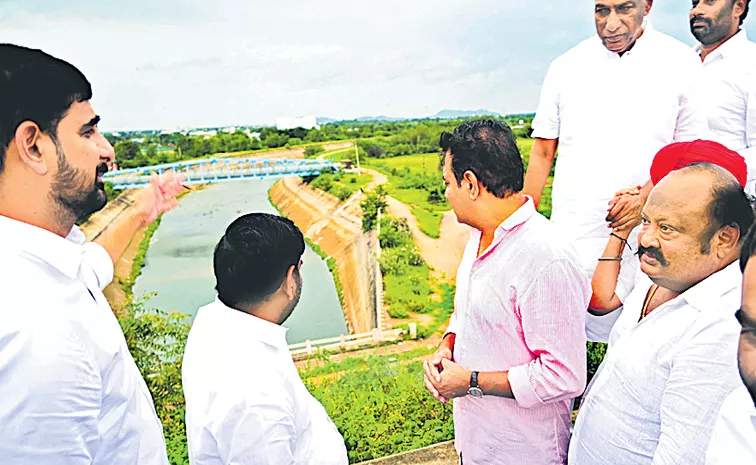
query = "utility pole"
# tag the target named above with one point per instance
(357, 154)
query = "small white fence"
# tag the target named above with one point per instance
(348, 342)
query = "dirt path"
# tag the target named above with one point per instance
(442, 254)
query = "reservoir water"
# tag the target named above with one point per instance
(179, 262)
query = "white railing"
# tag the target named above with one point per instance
(346, 342)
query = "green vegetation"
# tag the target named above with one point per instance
(332, 267)
(157, 340)
(138, 263)
(406, 276)
(340, 184)
(372, 206)
(381, 407)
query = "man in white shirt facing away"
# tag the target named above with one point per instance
(728, 85)
(609, 104)
(71, 392)
(671, 357)
(245, 402)
(734, 437)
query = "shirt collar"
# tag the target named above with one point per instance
(520, 216)
(62, 254)
(727, 49)
(253, 327)
(707, 294)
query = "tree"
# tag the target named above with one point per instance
(372, 205)
(127, 154)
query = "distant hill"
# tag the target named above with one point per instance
(456, 114)
(443, 114)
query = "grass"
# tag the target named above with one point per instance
(428, 214)
(353, 182)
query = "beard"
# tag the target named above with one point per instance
(711, 32)
(74, 191)
(293, 304)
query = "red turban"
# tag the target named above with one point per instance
(682, 154)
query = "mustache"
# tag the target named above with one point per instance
(652, 252)
(102, 168)
(702, 19)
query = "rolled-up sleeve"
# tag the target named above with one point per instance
(546, 123)
(51, 395)
(704, 373)
(552, 312)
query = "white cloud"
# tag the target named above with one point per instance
(209, 63)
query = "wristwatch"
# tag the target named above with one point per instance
(474, 389)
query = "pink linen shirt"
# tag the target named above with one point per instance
(520, 307)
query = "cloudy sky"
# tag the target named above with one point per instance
(193, 63)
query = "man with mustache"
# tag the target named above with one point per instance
(734, 437)
(71, 392)
(672, 157)
(599, 107)
(671, 357)
(728, 84)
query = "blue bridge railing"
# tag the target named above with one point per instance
(220, 170)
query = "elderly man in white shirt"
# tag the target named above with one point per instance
(245, 402)
(71, 392)
(728, 84)
(734, 437)
(609, 104)
(671, 357)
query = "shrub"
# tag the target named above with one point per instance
(157, 340)
(383, 409)
(312, 150)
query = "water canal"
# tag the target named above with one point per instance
(179, 266)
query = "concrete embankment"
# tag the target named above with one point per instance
(337, 229)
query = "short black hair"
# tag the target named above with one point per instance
(35, 86)
(253, 257)
(745, 10)
(729, 206)
(488, 148)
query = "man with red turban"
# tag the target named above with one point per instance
(670, 158)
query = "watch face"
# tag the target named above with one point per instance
(475, 392)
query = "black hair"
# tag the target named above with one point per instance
(252, 259)
(35, 86)
(745, 10)
(729, 206)
(487, 148)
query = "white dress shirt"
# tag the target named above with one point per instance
(245, 401)
(71, 392)
(656, 396)
(729, 89)
(734, 437)
(612, 114)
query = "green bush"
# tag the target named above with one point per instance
(383, 409)
(341, 192)
(395, 233)
(157, 340)
(312, 150)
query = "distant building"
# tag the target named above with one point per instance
(206, 134)
(306, 122)
(230, 130)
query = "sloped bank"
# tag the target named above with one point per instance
(336, 229)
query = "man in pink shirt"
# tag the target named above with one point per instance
(514, 353)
